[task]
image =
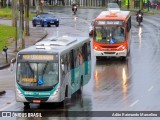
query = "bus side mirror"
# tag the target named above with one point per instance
(62, 66)
(12, 64)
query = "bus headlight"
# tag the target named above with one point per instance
(97, 48)
(55, 92)
(121, 47)
(19, 92)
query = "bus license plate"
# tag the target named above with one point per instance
(36, 101)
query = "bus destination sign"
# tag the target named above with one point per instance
(109, 22)
(38, 57)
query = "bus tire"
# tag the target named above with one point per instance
(128, 53)
(124, 57)
(81, 87)
(98, 57)
(62, 103)
(26, 105)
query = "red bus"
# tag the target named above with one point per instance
(111, 34)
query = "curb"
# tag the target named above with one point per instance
(4, 66)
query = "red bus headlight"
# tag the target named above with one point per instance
(121, 47)
(97, 48)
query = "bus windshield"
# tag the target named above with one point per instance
(30, 74)
(109, 35)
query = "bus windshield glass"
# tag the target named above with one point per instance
(109, 34)
(30, 74)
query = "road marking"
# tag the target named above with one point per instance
(134, 103)
(150, 88)
(8, 105)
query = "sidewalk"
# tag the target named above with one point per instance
(36, 34)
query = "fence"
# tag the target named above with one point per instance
(88, 3)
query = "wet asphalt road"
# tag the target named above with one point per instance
(116, 84)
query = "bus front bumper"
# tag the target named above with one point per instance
(122, 53)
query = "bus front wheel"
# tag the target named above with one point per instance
(98, 57)
(26, 104)
(81, 88)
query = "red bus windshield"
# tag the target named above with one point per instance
(109, 34)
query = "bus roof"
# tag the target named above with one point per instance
(55, 45)
(113, 15)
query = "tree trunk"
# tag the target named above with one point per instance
(13, 12)
(27, 17)
(33, 2)
(37, 7)
(41, 6)
(21, 23)
(63, 2)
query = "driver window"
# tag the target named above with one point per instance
(98, 34)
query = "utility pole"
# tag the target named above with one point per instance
(27, 17)
(21, 23)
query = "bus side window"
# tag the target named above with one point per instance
(89, 50)
(77, 57)
(68, 62)
(84, 51)
(85, 56)
(80, 56)
(129, 24)
(71, 54)
(62, 65)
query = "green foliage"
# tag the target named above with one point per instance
(5, 12)
(6, 32)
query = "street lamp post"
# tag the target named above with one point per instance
(5, 50)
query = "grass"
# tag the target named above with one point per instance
(7, 13)
(6, 32)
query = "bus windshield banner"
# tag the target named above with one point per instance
(109, 22)
(39, 57)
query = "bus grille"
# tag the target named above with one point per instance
(109, 46)
(41, 99)
(109, 52)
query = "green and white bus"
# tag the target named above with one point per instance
(52, 70)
